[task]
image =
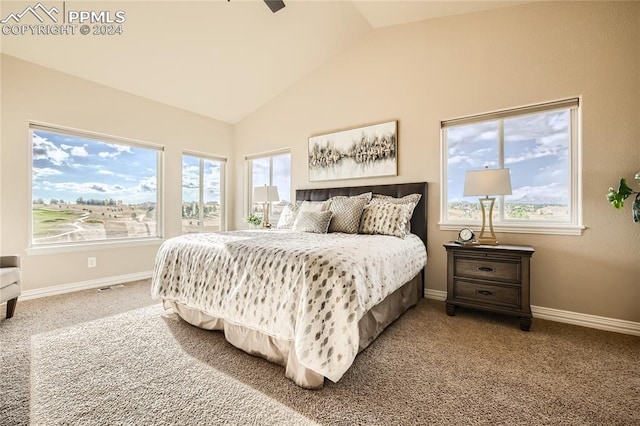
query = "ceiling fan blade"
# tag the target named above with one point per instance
(274, 5)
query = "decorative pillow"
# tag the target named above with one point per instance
(346, 214)
(407, 199)
(385, 219)
(317, 222)
(366, 195)
(315, 206)
(288, 215)
(411, 200)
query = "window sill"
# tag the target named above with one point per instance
(96, 245)
(546, 229)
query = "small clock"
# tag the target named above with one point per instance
(466, 235)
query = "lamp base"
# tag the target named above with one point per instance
(487, 241)
(265, 216)
(491, 239)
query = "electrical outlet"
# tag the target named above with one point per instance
(92, 262)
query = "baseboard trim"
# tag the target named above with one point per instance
(435, 294)
(568, 317)
(83, 285)
(586, 320)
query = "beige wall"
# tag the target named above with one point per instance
(31, 92)
(423, 73)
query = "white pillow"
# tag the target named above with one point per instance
(315, 206)
(316, 222)
(288, 215)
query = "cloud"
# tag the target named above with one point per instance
(90, 189)
(105, 172)
(44, 149)
(552, 145)
(555, 192)
(190, 177)
(457, 159)
(79, 151)
(45, 171)
(98, 187)
(117, 150)
(148, 184)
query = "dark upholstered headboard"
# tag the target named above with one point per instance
(419, 219)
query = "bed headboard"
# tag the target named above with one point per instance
(419, 219)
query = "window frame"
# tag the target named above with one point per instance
(572, 227)
(223, 172)
(63, 247)
(249, 178)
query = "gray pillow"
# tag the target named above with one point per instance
(316, 222)
(346, 214)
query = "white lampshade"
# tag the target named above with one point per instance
(487, 182)
(265, 194)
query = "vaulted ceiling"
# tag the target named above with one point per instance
(221, 59)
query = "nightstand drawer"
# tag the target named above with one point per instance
(487, 270)
(487, 294)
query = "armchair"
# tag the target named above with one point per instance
(10, 282)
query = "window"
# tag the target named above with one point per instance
(202, 193)
(90, 188)
(539, 145)
(271, 169)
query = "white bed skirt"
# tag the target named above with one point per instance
(282, 352)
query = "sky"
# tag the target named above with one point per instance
(536, 152)
(536, 149)
(191, 180)
(67, 167)
(281, 174)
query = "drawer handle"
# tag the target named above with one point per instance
(485, 292)
(485, 269)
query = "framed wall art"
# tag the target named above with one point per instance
(362, 152)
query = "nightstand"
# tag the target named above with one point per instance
(492, 278)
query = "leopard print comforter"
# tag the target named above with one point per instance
(309, 288)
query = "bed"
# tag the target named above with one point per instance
(308, 301)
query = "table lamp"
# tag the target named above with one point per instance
(265, 194)
(487, 182)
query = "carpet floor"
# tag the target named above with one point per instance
(116, 357)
